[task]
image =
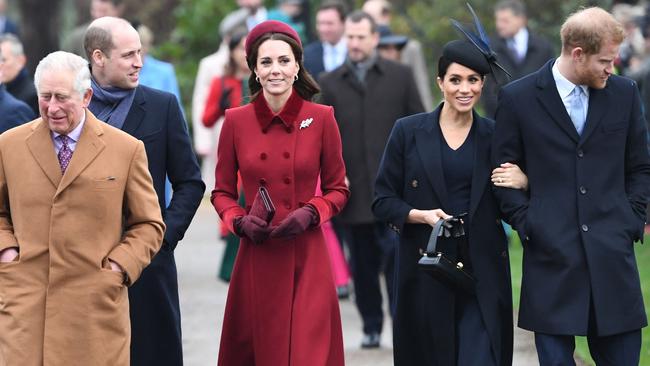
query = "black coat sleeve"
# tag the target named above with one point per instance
(507, 146)
(388, 205)
(184, 174)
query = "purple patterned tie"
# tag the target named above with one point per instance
(65, 153)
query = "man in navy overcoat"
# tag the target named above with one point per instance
(579, 133)
(154, 117)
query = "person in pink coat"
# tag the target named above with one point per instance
(282, 307)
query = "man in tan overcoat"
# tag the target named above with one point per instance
(79, 221)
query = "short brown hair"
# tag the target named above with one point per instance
(589, 29)
(97, 38)
(335, 5)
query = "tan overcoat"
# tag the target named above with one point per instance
(60, 304)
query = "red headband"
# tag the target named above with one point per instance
(269, 26)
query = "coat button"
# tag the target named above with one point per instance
(287, 180)
(584, 228)
(263, 156)
(289, 129)
(581, 153)
(287, 205)
(262, 181)
(414, 183)
(504, 254)
(583, 190)
(286, 155)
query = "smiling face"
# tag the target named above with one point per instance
(60, 105)
(276, 67)
(121, 66)
(594, 70)
(461, 87)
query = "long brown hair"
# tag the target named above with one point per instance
(305, 86)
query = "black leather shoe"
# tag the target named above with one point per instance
(370, 340)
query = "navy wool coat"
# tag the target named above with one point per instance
(584, 208)
(411, 177)
(156, 119)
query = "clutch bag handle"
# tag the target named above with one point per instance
(433, 238)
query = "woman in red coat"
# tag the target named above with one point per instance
(228, 90)
(282, 307)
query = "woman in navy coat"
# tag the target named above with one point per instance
(282, 307)
(437, 165)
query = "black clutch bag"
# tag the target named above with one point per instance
(439, 266)
(262, 206)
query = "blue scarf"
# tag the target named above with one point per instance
(111, 104)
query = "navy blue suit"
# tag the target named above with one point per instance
(313, 59)
(156, 119)
(13, 111)
(585, 205)
(410, 177)
(10, 27)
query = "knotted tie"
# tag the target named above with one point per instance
(514, 52)
(65, 153)
(577, 110)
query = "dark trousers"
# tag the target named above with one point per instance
(155, 314)
(616, 350)
(372, 251)
(473, 347)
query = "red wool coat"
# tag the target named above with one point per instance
(213, 110)
(282, 308)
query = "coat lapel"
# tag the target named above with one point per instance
(40, 144)
(597, 107)
(136, 114)
(550, 99)
(428, 147)
(88, 147)
(481, 171)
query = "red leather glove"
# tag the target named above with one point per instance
(295, 223)
(252, 227)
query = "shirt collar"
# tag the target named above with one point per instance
(76, 133)
(339, 46)
(287, 115)
(521, 38)
(564, 86)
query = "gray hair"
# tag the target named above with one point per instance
(16, 45)
(65, 61)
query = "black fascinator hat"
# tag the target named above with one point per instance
(481, 55)
(464, 53)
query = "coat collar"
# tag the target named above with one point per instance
(552, 103)
(287, 115)
(137, 112)
(428, 146)
(40, 144)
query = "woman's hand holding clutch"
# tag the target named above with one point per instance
(252, 227)
(296, 223)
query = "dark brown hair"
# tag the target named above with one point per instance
(305, 85)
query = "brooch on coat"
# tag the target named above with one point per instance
(306, 123)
